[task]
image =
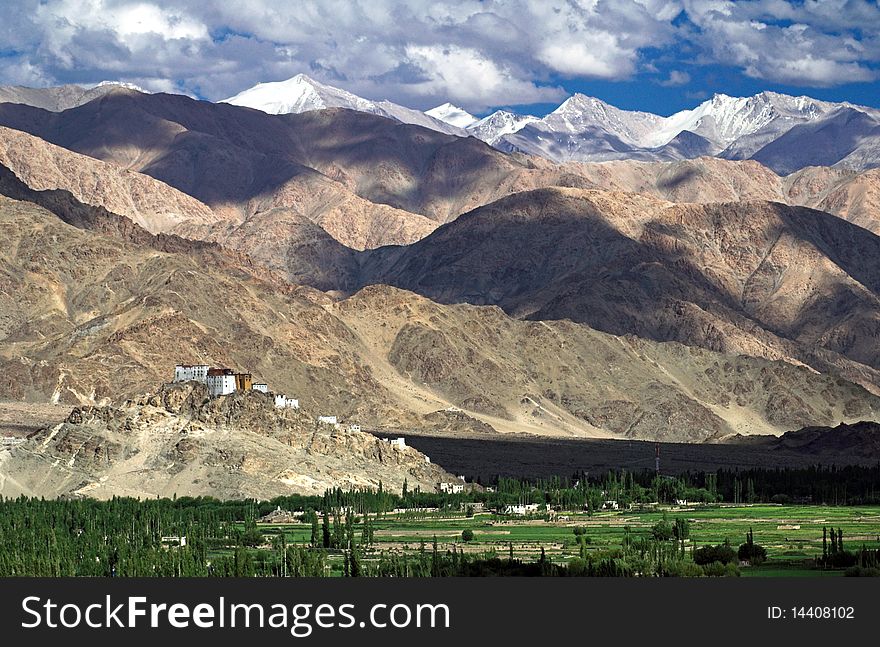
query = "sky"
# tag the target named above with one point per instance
(529, 55)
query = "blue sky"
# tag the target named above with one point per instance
(655, 55)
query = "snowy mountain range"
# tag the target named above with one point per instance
(783, 132)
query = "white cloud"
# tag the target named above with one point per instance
(420, 52)
(465, 76)
(810, 44)
(675, 79)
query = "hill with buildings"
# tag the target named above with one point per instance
(180, 441)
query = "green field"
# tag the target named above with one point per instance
(792, 535)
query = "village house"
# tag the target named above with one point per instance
(262, 388)
(174, 540)
(328, 420)
(610, 505)
(399, 443)
(450, 488)
(221, 381)
(354, 427)
(525, 508)
(191, 372)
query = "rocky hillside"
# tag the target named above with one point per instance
(152, 204)
(97, 318)
(751, 278)
(854, 196)
(182, 442)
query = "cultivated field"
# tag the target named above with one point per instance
(792, 535)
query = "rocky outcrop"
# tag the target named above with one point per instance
(179, 441)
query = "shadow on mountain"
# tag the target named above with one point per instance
(222, 154)
(691, 274)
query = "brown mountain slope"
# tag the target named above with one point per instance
(236, 160)
(758, 278)
(95, 318)
(310, 255)
(854, 196)
(153, 205)
(233, 175)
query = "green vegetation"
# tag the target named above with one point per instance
(609, 526)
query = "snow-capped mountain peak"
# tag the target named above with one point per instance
(580, 113)
(302, 94)
(452, 114)
(500, 123)
(297, 94)
(121, 84)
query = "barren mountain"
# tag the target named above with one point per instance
(852, 195)
(366, 180)
(152, 204)
(97, 318)
(61, 97)
(239, 161)
(754, 278)
(552, 377)
(182, 442)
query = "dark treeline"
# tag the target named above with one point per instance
(853, 485)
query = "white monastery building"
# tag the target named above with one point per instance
(187, 372)
(221, 381)
(262, 388)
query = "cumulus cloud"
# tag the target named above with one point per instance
(675, 79)
(477, 53)
(813, 44)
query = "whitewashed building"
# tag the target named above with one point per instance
(174, 540)
(524, 508)
(283, 402)
(220, 381)
(354, 427)
(187, 372)
(262, 388)
(328, 420)
(451, 488)
(399, 443)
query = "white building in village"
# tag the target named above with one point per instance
(220, 381)
(354, 427)
(187, 372)
(328, 420)
(283, 402)
(399, 443)
(451, 488)
(262, 388)
(525, 508)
